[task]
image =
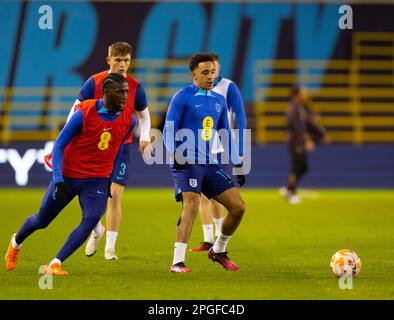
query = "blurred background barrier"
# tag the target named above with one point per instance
(332, 166)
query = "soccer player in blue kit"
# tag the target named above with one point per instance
(211, 212)
(203, 112)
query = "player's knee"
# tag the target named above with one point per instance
(238, 209)
(40, 223)
(191, 202)
(90, 222)
(116, 191)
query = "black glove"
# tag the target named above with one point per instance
(241, 178)
(109, 189)
(62, 194)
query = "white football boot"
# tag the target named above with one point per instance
(294, 199)
(109, 254)
(284, 192)
(92, 245)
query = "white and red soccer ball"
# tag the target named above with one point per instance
(345, 263)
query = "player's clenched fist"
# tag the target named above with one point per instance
(61, 194)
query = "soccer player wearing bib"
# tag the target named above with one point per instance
(211, 212)
(202, 112)
(83, 160)
(119, 58)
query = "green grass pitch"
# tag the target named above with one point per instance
(283, 251)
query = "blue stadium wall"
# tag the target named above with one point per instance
(239, 32)
(76, 48)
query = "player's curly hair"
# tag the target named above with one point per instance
(197, 58)
(111, 79)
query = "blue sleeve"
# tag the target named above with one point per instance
(173, 118)
(235, 103)
(140, 102)
(70, 130)
(87, 91)
(223, 123)
(118, 155)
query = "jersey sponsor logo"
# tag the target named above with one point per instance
(193, 183)
(198, 105)
(104, 140)
(207, 125)
(106, 129)
(100, 192)
(218, 107)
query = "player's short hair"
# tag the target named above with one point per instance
(215, 57)
(119, 49)
(197, 58)
(111, 79)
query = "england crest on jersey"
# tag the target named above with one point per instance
(193, 183)
(218, 107)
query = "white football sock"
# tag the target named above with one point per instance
(98, 229)
(218, 226)
(208, 233)
(14, 244)
(179, 252)
(221, 243)
(56, 260)
(111, 240)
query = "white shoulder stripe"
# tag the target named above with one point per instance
(222, 87)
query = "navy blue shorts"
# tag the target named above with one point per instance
(209, 179)
(122, 169)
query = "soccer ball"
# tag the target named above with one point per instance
(345, 263)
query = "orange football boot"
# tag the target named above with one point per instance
(56, 270)
(11, 256)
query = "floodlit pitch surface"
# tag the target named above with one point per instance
(283, 250)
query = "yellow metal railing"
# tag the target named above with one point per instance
(161, 79)
(355, 98)
(39, 113)
(34, 113)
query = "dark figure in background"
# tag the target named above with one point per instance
(303, 134)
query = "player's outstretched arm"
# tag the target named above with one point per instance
(235, 102)
(87, 92)
(173, 118)
(70, 130)
(234, 156)
(144, 125)
(72, 110)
